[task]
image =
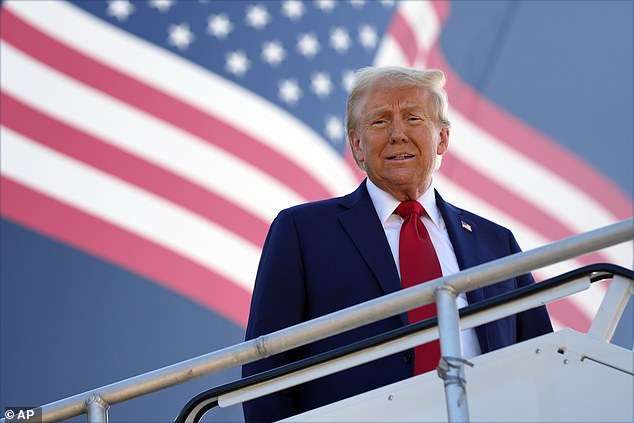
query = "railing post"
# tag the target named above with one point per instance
(97, 409)
(451, 366)
(611, 308)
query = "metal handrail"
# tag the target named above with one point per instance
(206, 400)
(334, 323)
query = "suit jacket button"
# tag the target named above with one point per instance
(407, 358)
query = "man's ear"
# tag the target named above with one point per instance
(443, 145)
(355, 143)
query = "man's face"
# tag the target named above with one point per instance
(397, 140)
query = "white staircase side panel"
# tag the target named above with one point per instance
(564, 376)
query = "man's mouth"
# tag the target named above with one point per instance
(400, 156)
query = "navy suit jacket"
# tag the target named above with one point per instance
(324, 256)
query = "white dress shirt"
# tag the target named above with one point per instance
(385, 204)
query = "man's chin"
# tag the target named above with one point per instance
(402, 185)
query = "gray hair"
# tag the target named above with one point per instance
(432, 79)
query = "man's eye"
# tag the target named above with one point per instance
(378, 122)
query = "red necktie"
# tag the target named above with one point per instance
(419, 263)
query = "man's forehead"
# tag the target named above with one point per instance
(385, 97)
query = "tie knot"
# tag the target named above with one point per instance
(407, 208)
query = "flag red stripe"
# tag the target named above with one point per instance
(508, 202)
(94, 152)
(442, 8)
(568, 315)
(177, 112)
(76, 228)
(404, 35)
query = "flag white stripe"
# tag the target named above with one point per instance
(140, 134)
(146, 62)
(422, 19)
(128, 207)
(389, 53)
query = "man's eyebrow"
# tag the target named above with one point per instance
(405, 107)
(412, 107)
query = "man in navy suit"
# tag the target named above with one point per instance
(324, 256)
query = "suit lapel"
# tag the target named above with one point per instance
(365, 230)
(462, 234)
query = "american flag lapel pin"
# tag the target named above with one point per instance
(466, 226)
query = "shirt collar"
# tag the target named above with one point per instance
(385, 204)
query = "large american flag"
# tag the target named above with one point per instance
(164, 136)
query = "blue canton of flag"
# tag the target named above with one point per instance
(299, 55)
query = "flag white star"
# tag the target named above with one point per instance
(357, 4)
(237, 63)
(162, 5)
(388, 3)
(293, 9)
(321, 84)
(325, 6)
(347, 80)
(308, 45)
(219, 26)
(289, 91)
(257, 16)
(339, 39)
(368, 37)
(180, 36)
(273, 52)
(120, 9)
(334, 128)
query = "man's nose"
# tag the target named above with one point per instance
(397, 131)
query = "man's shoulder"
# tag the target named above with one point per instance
(319, 207)
(328, 205)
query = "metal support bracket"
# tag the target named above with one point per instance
(97, 409)
(611, 309)
(446, 363)
(451, 366)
